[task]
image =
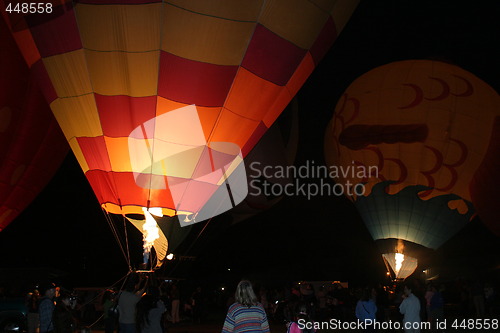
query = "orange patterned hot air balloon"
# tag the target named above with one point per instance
(426, 127)
(161, 100)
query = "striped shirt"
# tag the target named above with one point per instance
(243, 319)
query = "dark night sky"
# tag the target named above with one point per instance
(326, 239)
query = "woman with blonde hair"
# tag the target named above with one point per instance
(246, 314)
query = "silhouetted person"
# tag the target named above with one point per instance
(302, 322)
(410, 308)
(436, 305)
(110, 311)
(127, 301)
(175, 297)
(46, 307)
(150, 310)
(477, 291)
(366, 309)
(33, 319)
(198, 304)
(62, 317)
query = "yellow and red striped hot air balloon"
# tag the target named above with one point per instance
(161, 100)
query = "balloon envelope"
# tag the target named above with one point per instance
(160, 101)
(425, 127)
(274, 152)
(32, 146)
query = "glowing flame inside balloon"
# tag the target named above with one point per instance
(150, 233)
(402, 265)
(156, 211)
(399, 257)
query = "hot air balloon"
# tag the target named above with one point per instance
(32, 146)
(161, 101)
(277, 148)
(484, 186)
(425, 126)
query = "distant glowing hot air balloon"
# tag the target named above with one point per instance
(32, 146)
(425, 126)
(161, 100)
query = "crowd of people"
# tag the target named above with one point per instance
(144, 304)
(50, 309)
(413, 304)
(141, 305)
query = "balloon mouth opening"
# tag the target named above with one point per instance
(402, 266)
(156, 211)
